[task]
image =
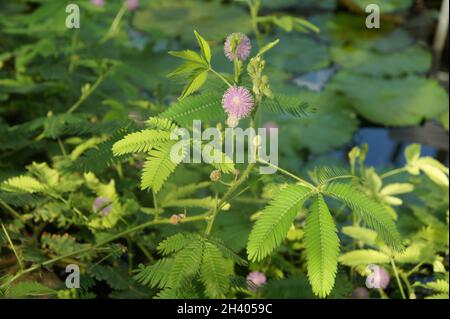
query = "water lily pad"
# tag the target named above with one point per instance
(406, 61)
(178, 18)
(396, 102)
(298, 54)
(332, 125)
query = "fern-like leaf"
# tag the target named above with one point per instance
(322, 247)
(24, 184)
(158, 167)
(204, 107)
(186, 263)
(290, 105)
(215, 271)
(173, 244)
(140, 142)
(275, 220)
(161, 124)
(156, 275)
(373, 213)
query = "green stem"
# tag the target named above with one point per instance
(220, 76)
(115, 24)
(12, 247)
(302, 181)
(13, 212)
(100, 244)
(84, 96)
(254, 11)
(399, 283)
(393, 172)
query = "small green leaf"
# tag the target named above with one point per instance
(195, 83)
(204, 46)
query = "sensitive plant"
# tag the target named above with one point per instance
(296, 220)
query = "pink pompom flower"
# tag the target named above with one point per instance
(238, 102)
(255, 280)
(379, 278)
(237, 43)
(98, 3)
(132, 4)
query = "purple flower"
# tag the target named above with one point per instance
(255, 279)
(98, 3)
(132, 4)
(360, 293)
(238, 102)
(237, 43)
(102, 206)
(379, 278)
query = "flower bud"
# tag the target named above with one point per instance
(232, 121)
(215, 175)
(175, 219)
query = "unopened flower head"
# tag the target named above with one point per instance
(98, 3)
(232, 121)
(237, 45)
(102, 206)
(215, 175)
(255, 279)
(238, 102)
(132, 4)
(175, 219)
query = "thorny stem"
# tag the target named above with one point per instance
(100, 244)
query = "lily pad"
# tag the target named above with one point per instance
(394, 102)
(178, 18)
(299, 54)
(406, 61)
(332, 125)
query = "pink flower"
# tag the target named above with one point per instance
(132, 4)
(255, 279)
(238, 102)
(237, 43)
(98, 3)
(379, 278)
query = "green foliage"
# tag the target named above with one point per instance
(322, 247)
(275, 220)
(87, 113)
(373, 213)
